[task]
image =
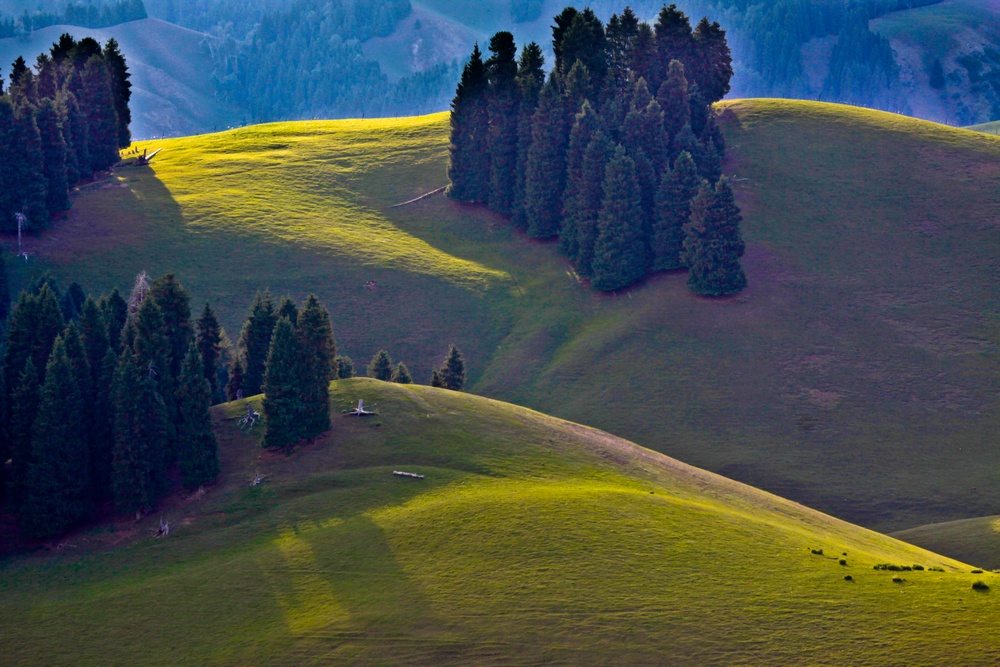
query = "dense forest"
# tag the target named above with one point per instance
(60, 122)
(617, 153)
(82, 14)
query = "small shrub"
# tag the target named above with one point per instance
(842, 561)
(977, 572)
(898, 579)
(891, 567)
(980, 586)
(817, 552)
(935, 569)
(848, 577)
(918, 567)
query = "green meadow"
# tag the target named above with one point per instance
(531, 540)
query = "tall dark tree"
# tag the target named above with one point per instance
(622, 33)
(255, 339)
(234, 387)
(115, 311)
(198, 453)
(75, 131)
(545, 170)
(290, 310)
(401, 374)
(175, 305)
(588, 211)
(619, 253)
(209, 342)
(713, 243)
(575, 197)
(674, 41)
(4, 287)
(28, 183)
(452, 371)
(644, 132)
(102, 434)
(22, 412)
(54, 151)
(59, 490)
(283, 396)
(318, 351)
(563, 22)
(98, 105)
(72, 302)
(469, 166)
(121, 90)
(673, 99)
(530, 80)
(345, 367)
(380, 366)
(585, 41)
(712, 60)
(503, 102)
(673, 211)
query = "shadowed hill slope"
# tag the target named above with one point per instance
(975, 540)
(530, 541)
(855, 375)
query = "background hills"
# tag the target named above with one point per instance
(260, 61)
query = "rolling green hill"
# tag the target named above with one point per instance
(530, 541)
(855, 375)
(977, 540)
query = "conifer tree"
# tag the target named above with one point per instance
(98, 105)
(644, 131)
(209, 342)
(283, 395)
(77, 355)
(469, 166)
(255, 339)
(318, 351)
(380, 366)
(501, 71)
(4, 288)
(401, 374)
(452, 372)
(151, 348)
(22, 412)
(138, 468)
(585, 41)
(290, 310)
(622, 33)
(714, 63)
(115, 311)
(53, 145)
(198, 455)
(574, 199)
(75, 131)
(58, 491)
(47, 327)
(673, 99)
(673, 211)
(595, 162)
(102, 434)
(234, 387)
(72, 302)
(674, 41)
(121, 90)
(345, 367)
(545, 170)
(713, 243)
(175, 305)
(619, 257)
(28, 182)
(530, 80)
(436, 379)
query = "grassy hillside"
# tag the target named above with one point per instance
(856, 374)
(988, 128)
(530, 541)
(976, 540)
(171, 70)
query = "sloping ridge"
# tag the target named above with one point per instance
(531, 540)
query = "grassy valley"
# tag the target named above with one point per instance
(531, 540)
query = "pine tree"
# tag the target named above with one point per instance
(121, 90)
(501, 72)
(102, 434)
(619, 257)
(209, 340)
(290, 310)
(115, 311)
(452, 372)
(545, 170)
(401, 374)
(175, 305)
(644, 131)
(319, 352)
(138, 470)
(674, 41)
(530, 79)
(75, 131)
(58, 492)
(436, 379)
(585, 41)
(380, 366)
(54, 151)
(48, 325)
(198, 455)
(4, 288)
(673, 211)
(22, 411)
(345, 367)
(234, 387)
(255, 339)
(283, 395)
(714, 63)
(713, 243)
(98, 106)
(151, 348)
(469, 166)
(673, 99)
(584, 127)
(72, 302)
(595, 162)
(28, 182)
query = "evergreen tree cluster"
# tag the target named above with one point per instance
(98, 403)
(59, 123)
(611, 151)
(89, 14)
(382, 368)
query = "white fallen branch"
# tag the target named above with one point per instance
(163, 530)
(400, 473)
(258, 479)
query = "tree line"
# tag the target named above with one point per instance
(83, 14)
(60, 122)
(617, 152)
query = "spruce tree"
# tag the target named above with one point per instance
(151, 348)
(469, 166)
(54, 150)
(713, 243)
(22, 412)
(290, 310)
(501, 72)
(644, 131)
(545, 170)
(401, 374)
(595, 162)
(714, 63)
(619, 256)
(345, 367)
(318, 351)
(380, 366)
(283, 384)
(673, 99)
(58, 491)
(98, 106)
(674, 41)
(4, 287)
(255, 339)
(584, 127)
(72, 302)
(115, 311)
(585, 41)
(75, 131)
(452, 372)
(209, 340)
(28, 182)
(198, 454)
(436, 379)
(102, 434)
(121, 90)
(47, 327)
(175, 305)
(673, 211)
(530, 80)
(234, 387)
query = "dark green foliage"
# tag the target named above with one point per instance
(23, 167)
(72, 302)
(503, 103)
(863, 69)
(289, 309)
(545, 169)
(588, 211)
(115, 311)
(121, 90)
(530, 80)
(97, 103)
(713, 243)
(54, 151)
(673, 211)
(469, 166)
(712, 61)
(234, 387)
(175, 305)
(4, 287)
(209, 340)
(151, 346)
(380, 366)
(981, 586)
(436, 379)
(197, 454)
(345, 367)
(619, 253)
(140, 427)
(75, 133)
(563, 21)
(101, 427)
(283, 384)
(673, 99)
(937, 80)
(452, 372)
(77, 355)
(58, 490)
(22, 412)
(255, 340)
(584, 41)
(674, 41)
(318, 352)
(622, 34)
(576, 195)
(401, 374)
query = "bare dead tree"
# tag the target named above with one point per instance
(140, 290)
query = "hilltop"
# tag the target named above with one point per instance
(530, 540)
(855, 375)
